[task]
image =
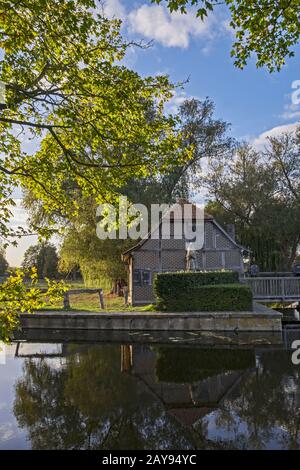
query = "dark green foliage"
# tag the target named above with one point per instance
(185, 279)
(95, 274)
(258, 191)
(186, 365)
(207, 135)
(205, 292)
(42, 256)
(266, 251)
(222, 297)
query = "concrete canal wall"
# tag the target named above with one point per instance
(211, 339)
(260, 319)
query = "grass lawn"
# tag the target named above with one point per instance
(70, 284)
(90, 303)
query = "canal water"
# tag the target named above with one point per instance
(179, 392)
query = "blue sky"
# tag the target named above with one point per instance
(255, 102)
(252, 100)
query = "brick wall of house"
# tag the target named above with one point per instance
(218, 252)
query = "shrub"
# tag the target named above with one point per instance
(191, 296)
(167, 282)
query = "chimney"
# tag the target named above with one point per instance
(230, 229)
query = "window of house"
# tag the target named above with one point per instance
(146, 276)
(137, 279)
(141, 277)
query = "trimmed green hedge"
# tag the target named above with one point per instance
(170, 282)
(186, 365)
(233, 297)
(210, 298)
(186, 292)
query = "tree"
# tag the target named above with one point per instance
(44, 258)
(265, 412)
(284, 153)
(3, 263)
(89, 404)
(269, 29)
(18, 294)
(206, 136)
(100, 260)
(258, 192)
(87, 114)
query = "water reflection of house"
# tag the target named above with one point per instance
(40, 350)
(186, 402)
(54, 354)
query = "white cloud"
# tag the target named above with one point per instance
(227, 27)
(261, 141)
(172, 106)
(6, 431)
(169, 29)
(114, 9)
(174, 103)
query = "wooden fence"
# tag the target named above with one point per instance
(67, 294)
(285, 289)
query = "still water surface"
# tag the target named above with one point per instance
(149, 396)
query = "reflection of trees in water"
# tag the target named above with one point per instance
(88, 403)
(267, 408)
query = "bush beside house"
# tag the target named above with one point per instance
(187, 279)
(202, 291)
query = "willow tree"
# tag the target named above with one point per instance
(260, 193)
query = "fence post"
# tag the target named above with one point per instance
(282, 288)
(101, 298)
(125, 290)
(66, 300)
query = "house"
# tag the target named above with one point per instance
(153, 254)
